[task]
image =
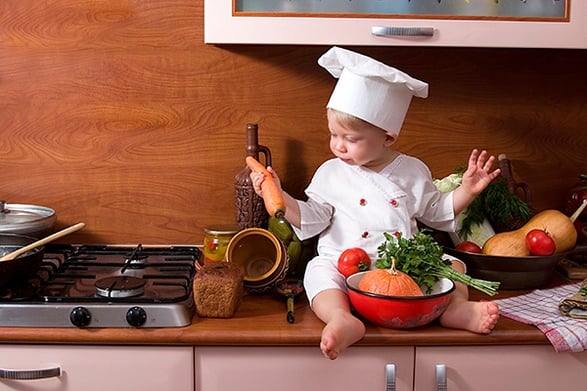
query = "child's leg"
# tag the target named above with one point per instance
(479, 317)
(342, 328)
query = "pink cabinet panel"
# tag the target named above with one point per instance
(490, 368)
(100, 368)
(220, 26)
(300, 368)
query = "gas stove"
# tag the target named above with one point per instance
(105, 286)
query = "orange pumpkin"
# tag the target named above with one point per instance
(389, 282)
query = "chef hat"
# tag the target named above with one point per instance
(370, 90)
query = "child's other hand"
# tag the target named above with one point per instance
(479, 172)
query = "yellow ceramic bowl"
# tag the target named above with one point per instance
(262, 256)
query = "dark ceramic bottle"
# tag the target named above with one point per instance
(250, 209)
(576, 195)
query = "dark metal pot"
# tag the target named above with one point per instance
(23, 267)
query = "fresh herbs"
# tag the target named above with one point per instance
(500, 207)
(504, 210)
(421, 257)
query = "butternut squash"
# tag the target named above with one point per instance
(513, 243)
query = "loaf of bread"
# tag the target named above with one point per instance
(218, 289)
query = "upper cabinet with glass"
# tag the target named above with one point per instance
(472, 23)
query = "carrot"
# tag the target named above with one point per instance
(272, 195)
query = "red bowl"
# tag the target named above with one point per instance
(400, 312)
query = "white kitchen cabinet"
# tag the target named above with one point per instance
(519, 367)
(99, 368)
(301, 368)
(224, 26)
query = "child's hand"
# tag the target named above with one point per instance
(257, 178)
(479, 172)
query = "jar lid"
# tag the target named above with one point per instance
(24, 218)
(222, 229)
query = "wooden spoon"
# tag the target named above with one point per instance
(579, 211)
(10, 256)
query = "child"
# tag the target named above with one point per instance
(369, 188)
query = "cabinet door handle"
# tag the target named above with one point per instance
(390, 377)
(386, 31)
(29, 374)
(441, 377)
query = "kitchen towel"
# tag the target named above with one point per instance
(541, 309)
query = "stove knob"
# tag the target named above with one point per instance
(80, 317)
(136, 316)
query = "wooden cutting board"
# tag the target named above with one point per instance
(572, 269)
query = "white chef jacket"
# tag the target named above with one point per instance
(352, 206)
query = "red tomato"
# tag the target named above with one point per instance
(353, 260)
(468, 247)
(540, 243)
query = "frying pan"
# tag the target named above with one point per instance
(21, 256)
(290, 288)
(23, 267)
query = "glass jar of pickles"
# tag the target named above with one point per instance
(216, 240)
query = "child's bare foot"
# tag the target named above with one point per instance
(342, 331)
(476, 316)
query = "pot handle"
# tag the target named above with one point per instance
(580, 249)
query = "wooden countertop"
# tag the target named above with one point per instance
(260, 320)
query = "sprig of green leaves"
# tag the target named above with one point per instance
(421, 257)
(417, 257)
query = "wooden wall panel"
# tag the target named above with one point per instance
(117, 114)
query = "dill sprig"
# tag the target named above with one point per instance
(499, 206)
